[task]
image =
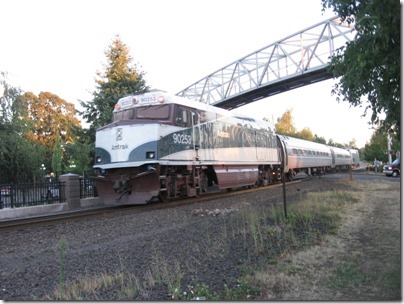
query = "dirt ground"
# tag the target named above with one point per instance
(363, 260)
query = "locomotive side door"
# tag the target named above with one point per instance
(333, 158)
(261, 144)
(196, 134)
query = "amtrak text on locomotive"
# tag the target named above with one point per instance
(120, 147)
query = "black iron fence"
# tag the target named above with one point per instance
(24, 195)
(87, 188)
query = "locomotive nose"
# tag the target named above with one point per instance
(122, 185)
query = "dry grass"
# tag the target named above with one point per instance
(341, 267)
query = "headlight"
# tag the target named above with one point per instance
(150, 155)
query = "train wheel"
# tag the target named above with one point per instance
(163, 197)
(203, 186)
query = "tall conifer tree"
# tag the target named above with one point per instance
(120, 78)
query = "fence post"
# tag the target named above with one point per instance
(72, 190)
(11, 196)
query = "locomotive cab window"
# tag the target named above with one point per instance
(195, 118)
(123, 115)
(153, 112)
(182, 117)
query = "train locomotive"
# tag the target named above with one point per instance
(161, 146)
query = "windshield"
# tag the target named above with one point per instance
(123, 115)
(153, 112)
(396, 162)
(160, 112)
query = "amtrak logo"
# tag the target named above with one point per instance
(118, 134)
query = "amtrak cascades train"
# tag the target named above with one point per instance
(162, 146)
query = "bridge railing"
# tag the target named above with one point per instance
(303, 52)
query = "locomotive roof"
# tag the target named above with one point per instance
(158, 97)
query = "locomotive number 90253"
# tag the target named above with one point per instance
(182, 139)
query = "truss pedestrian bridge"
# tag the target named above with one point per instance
(297, 60)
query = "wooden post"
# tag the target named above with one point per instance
(350, 173)
(284, 189)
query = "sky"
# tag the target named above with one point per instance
(59, 46)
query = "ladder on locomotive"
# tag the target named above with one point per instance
(196, 183)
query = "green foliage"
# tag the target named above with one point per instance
(20, 158)
(334, 144)
(320, 139)
(346, 274)
(118, 80)
(377, 147)
(79, 153)
(11, 104)
(57, 156)
(80, 157)
(391, 278)
(62, 248)
(369, 67)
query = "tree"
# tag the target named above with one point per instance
(118, 80)
(319, 139)
(11, 103)
(51, 116)
(377, 147)
(352, 143)
(20, 158)
(305, 134)
(370, 65)
(285, 125)
(79, 153)
(335, 144)
(57, 156)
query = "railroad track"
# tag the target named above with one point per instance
(23, 223)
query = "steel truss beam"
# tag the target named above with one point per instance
(297, 60)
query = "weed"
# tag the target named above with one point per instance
(168, 273)
(391, 278)
(291, 269)
(242, 291)
(62, 248)
(346, 274)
